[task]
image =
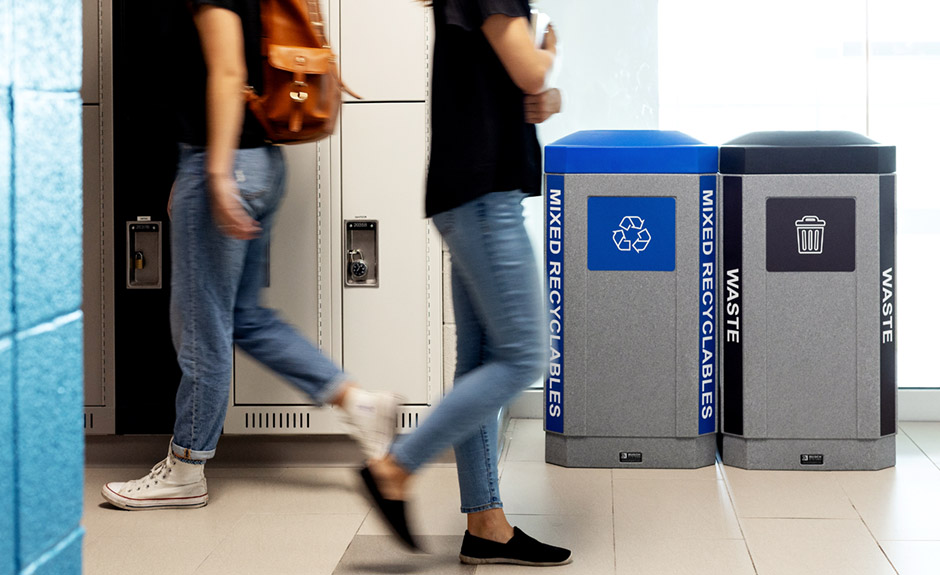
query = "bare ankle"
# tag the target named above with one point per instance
(490, 524)
(390, 477)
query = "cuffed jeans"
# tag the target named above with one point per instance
(502, 342)
(214, 301)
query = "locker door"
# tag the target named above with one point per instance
(294, 278)
(91, 283)
(384, 55)
(392, 331)
(300, 290)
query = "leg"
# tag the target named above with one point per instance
(208, 269)
(369, 416)
(278, 345)
(499, 288)
(206, 272)
(477, 455)
(266, 337)
(491, 253)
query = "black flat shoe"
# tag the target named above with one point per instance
(392, 510)
(520, 550)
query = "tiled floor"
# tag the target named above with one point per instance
(718, 520)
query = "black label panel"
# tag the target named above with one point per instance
(811, 234)
(733, 303)
(889, 309)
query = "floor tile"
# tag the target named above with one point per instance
(911, 458)
(282, 544)
(433, 510)
(147, 555)
(788, 494)
(297, 490)
(659, 510)
(102, 520)
(709, 473)
(722, 520)
(913, 557)
(912, 466)
(683, 557)
(814, 547)
(97, 514)
(901, 502)
(527, 441)
(374, 554)
(926, 435)
(212, 521)
(218, 472)
(896, 508)
(529, 488)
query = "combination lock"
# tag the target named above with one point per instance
(358, 268)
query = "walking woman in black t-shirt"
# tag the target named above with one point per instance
(229, 184)
(487, 93)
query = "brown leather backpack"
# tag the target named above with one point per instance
(302, 87)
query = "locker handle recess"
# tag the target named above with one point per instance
(144, 255)
(362, 253)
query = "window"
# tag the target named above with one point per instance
(730, 67)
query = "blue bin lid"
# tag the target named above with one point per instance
(630, 152)
(814, 152)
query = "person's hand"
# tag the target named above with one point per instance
(540, 107)
(550, 41)
(227, 209)
(169, 202)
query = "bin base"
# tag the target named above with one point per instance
(622, 452)
(809, 454)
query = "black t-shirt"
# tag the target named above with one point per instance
(480, 142)
(191, 89)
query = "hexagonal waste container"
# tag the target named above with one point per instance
(631, 241)
(808, 295)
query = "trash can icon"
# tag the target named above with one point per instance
(809, 235)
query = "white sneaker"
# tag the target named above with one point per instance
(370, 417)
(171, 483)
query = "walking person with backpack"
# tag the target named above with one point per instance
(228, 186)
(488, 91)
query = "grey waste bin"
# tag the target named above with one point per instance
(631, 242)
(808, 295)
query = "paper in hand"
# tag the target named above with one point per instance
(539, 22)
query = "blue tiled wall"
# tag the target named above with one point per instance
(7, 502)
(48, 211)
(41, 386)
(6, 182)
(6, 42)
(47, 37)
(49, 399)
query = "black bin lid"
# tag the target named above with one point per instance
(806, 153)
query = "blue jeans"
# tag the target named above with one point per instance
(502, 342)
(214, 301)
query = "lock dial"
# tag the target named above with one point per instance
(359, 269)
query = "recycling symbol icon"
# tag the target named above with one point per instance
(632, 235)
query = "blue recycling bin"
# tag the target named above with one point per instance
(630, 260)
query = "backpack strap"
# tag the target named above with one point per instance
(316, 19)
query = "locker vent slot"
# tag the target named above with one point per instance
(409, 419)
(276, 420)
(89, 420)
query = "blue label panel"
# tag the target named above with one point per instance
(554, 270)
(708, 308)
(631, 234)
